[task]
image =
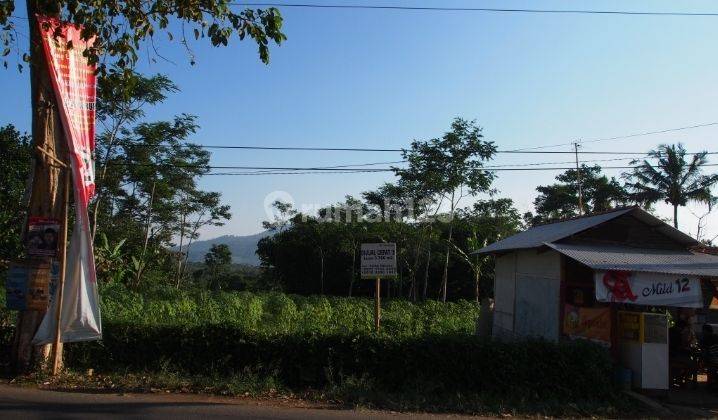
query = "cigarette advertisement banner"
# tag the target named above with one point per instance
(73, 80)
(651, 289)
(590, 323)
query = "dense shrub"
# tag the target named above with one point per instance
(423, 349)
(531, 371)
(275, 313)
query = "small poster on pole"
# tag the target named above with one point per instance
(16, 288)
(42, 236)
(38, 287)
(378, 260)
(27, 286)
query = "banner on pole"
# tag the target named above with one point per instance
(74, 83)
(653, 289)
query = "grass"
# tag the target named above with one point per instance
(275, 317)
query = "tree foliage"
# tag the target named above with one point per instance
(295, 254)
(122, 28)
(217, 261)
(675, 178)
(147, 192)
(16, 155)
(447, 169)
(560, 200)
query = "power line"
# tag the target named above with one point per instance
(346, 171)
(471, 9)
(628, 136)
(360, 149)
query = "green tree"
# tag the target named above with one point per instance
(560, 200)
(121, 103)
(284, 213)
(487, 221)
(675, 178)
(122, 28)
(15, 167)
(150, 187)
(217, 260)
(448, 169)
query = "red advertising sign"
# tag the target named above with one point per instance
(73, 80)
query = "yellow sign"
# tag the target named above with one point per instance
(591, 323)
(630, 326)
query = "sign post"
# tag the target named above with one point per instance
(377, 261)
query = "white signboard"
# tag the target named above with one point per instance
(378, 260)
(648, 289)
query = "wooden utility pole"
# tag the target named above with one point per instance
(580, 186)
(46, 176)
(377, 304)
(57, 345)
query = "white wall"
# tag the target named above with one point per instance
(504, 292)
(527, 294)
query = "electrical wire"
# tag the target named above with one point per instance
(628, 136)
(471, 9)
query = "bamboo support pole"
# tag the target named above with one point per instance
(57, 349)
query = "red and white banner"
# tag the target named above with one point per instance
(652, 289)
(74, 83)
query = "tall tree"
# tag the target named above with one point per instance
(675, 178)
(14, 167)
(448, 169)
(217, 260)
(121, 102)
(560, 200)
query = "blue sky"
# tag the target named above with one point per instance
(350, 78)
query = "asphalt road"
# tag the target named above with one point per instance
(30, 403)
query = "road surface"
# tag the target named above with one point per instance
(31, 403)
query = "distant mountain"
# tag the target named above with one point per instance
(243, 248)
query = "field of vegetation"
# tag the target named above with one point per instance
(426, 356)
(275, 313)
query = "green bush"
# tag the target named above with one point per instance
(426, 349)
(273, 313)
(530, 371)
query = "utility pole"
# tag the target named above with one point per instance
(46, 178)
(578, 175)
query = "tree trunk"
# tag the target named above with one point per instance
(103, 175)
(414, 272)
(321, 275)
(477, 276)
(445, 276)
(148, 223)
(426, 271)
(190, 241)
(675, 216)
(179, 251)
(45, 198)
(353, 273)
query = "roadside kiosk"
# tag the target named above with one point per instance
(621, 278)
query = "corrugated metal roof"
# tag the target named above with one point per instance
(539, 235)
(536, 236)
(614, 257)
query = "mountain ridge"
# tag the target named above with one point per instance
(243, 247)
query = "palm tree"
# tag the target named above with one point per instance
(673, 179)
